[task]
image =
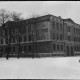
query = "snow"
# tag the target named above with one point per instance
(40, 68)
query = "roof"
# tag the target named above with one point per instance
(69, 20)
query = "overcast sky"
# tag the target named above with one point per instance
(65, 9)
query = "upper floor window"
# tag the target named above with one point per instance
(68, 28)
(61, 26)
(20, 38)
(25, 38)
(74, 39)
(13, 31)
(74, 30)
(57, 36)
(53, 35)
(29, 38)
(68, 38)
(1, 33)
(29, 28)
(60, 36)
(57, 26)
(13, 40)
(1, 41)
(53, 25)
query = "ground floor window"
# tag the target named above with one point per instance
(61, 47)
(1, 50)
(25, 48)
(74, 48)
(54, 47)
(13, 49)
(77, 48)
(29, 48)
(58, 49)
(20, 48)
(9, 49)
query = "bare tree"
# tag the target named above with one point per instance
(4, 16)
(8, 35)
(7, 27)
(16, 16)
(8, 16)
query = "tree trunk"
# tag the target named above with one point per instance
(18, 49)
(8, 49)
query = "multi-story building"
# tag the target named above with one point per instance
(45, 36)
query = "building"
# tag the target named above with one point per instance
(45, 36)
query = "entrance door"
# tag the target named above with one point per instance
(71, 51)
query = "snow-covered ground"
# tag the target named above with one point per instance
(40, 68)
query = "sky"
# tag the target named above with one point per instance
(65, 9)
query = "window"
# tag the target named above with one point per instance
(77, 48)
(58, 47)
(68, 28)
(25, 38)
(68, 38)
(1, 41)
(61, 26)
(74, 39)
(53, 35)
(74, 30)
(60, 36)
(53, 25)
(6, 41)
(79, 31)
(29, 37)
(9, 49)
(61, 47)
(1, 50)
(74, 48)
(13, 31)
(13, 49)
(24, 48)
(6, 49)
(20, 48)
(29, 28)
(57, 37)
(13, 39)
(29, 48)
(57, 26)
(21, 39)
(54, 47)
